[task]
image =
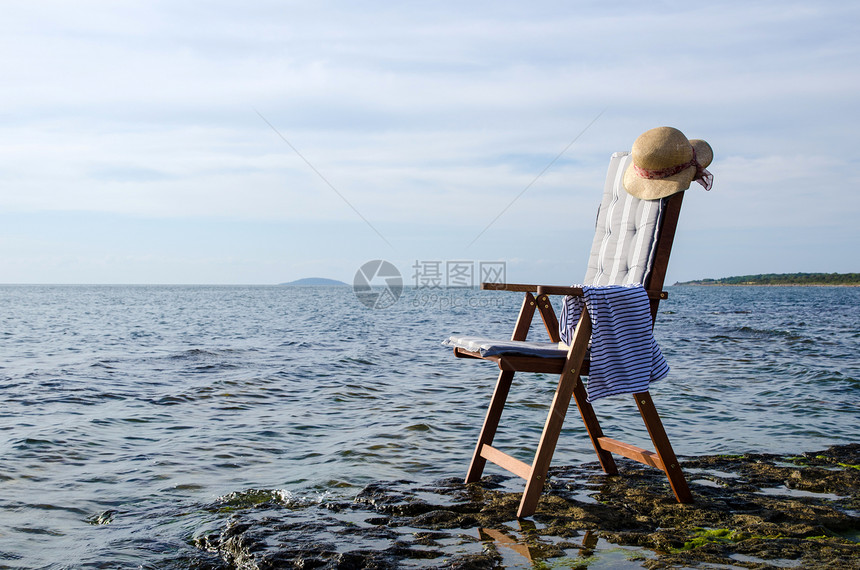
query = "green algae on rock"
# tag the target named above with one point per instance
(750, 511)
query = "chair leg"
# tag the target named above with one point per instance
(663, 447)
(491, 423)
(500, 395)
(546, 447)
(592, 425)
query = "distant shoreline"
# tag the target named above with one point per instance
(783, 280)
(700, 284)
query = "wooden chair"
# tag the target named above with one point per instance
(632, 245)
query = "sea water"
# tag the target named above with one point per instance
(127, 409)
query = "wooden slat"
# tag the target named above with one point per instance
(529, 363)
(491, 424)
(577, 292)
(547, 315)
(517, 363)
(519, 287)
(665, 239)
(463, 353)
(524, 320)
(664, 449)
(506, 462)
(595, 432)
(561, 289)
(630, 452)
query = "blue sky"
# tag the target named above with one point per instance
(133, 145)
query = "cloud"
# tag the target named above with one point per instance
(433, 116)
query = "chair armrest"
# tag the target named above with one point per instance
(539, 289)
(552, 289)
(560, 290)
(518, 287)
(577, 291)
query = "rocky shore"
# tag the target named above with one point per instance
(750, 511)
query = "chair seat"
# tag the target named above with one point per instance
(516, 356)
(487, 347)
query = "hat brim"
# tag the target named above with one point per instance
(654, 189)
(704, 152)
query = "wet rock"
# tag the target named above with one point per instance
(105, 517)
(754, 511)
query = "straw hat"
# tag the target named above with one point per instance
(665, 162)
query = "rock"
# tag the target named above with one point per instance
(750, 511)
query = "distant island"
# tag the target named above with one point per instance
(314, 281)
(834, 279)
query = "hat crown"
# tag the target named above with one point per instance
(663, 147)
(665, 162)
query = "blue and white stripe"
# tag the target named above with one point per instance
(625, 358)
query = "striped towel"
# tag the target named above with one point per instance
(625, 358)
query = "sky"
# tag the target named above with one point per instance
(260, 142)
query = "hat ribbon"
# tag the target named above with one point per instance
(702, 176)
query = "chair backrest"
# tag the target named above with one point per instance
(628, 233)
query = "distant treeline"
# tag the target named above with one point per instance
(783, 279)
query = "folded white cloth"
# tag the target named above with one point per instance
(625, 358)
(492, 347)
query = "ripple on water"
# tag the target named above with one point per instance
(147, 401)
